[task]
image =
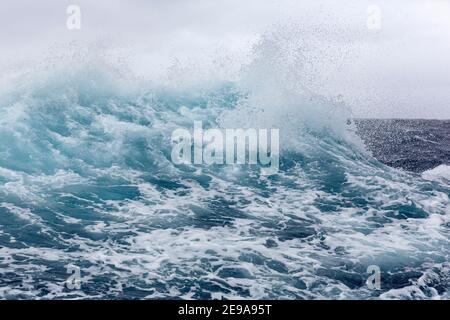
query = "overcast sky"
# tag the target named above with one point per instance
(400, 70)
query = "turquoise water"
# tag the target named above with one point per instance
(86, 179)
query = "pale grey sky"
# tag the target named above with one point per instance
(401, 70)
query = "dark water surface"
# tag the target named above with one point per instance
(415, 145)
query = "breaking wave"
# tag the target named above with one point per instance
(86, 179)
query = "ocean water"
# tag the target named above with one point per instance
(87, 182)
(413, 145)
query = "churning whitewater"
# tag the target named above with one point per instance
(87, 182)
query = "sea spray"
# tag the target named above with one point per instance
(86, 180)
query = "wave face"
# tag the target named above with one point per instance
(86, 179)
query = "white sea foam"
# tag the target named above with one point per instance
(440, 173)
